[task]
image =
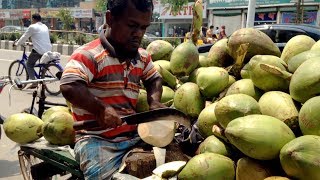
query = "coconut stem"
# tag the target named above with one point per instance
(276, 71)
(196, 21)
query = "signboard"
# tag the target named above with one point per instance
(82, 13)
(235, 3)
(185, 13)
(26, 14)
(309, 17)
(4, 15)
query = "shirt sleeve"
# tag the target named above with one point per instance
(149, 71)
(80, 67)
(26, 35)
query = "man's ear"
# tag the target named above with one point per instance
(109, 18)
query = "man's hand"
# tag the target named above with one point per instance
(156, 105)
(109, 118)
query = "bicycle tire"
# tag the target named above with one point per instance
(49, 71)
(25, 162)
(20, 72)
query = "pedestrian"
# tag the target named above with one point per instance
(217, 32)
(223, 32)
(39, 34)
(210, 36)
(101, 80)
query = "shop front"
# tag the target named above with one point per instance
(178, 25)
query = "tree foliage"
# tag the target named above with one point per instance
(101, 5)
(174, 5)
(65, 16)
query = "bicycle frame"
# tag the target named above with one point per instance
(37, 65)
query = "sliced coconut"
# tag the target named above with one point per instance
(170, 169)
(157, 133)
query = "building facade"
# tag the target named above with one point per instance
(21, 4)
(233, 13)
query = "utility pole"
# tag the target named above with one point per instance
(251, 13)
(299, 17)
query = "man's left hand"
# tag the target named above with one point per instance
(156, 105)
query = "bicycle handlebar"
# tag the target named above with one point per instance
(19, 83)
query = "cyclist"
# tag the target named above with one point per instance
(39, 34)
(101, 81)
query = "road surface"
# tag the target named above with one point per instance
(9, 164)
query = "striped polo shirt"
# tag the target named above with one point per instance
(113, 82)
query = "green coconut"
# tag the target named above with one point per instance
(309, 117)
(58, 130)
(160, 50)
(208, 166)
(248, 168)
(194, 74)
(259, 136)
(184, 59)
(234, 106)
(202, 60)
(188, 99)
(142, 102)
(300, 157)
(316, 46)
(47, 113)
(231, 80)
(206, 120)
(167, 96)
(245, 86)
(296, 45)
(218, 55)
(163, 63)
(264, 80)
(212, 81)
(245, 72)
(305, 82)
(259, 43)
(213, 144)
(281, 106)
(23, 128)
(298, 59)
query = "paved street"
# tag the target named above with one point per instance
(9, 165)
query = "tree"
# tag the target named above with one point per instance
(65, 16)
(174, 5)
(101, 5)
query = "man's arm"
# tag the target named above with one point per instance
(25, 36)
(77, 94)
(154, 91)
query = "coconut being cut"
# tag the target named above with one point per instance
(157, 133)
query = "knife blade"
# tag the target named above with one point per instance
(167, 114)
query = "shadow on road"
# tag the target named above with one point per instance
(9, 168)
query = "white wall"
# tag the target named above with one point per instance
(232, 23)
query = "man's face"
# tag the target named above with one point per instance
(127, 30)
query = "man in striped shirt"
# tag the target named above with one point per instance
(102, 81)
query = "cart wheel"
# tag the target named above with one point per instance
(26, 161)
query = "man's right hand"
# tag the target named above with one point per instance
(109, 118)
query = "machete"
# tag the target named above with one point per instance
(167, 114)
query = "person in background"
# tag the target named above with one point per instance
(39, 34)
(102, 80)
(210, 36)
(217, 32)
(223, 32)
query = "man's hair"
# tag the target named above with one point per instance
(211, 27)
(36, 17)
(116, 7)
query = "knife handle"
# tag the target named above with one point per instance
(79, 125)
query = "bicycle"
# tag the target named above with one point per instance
(4, 80)
(17, 69)
(44, 163)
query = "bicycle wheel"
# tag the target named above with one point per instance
(26, 161)
(18, 70)
(50, 71)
